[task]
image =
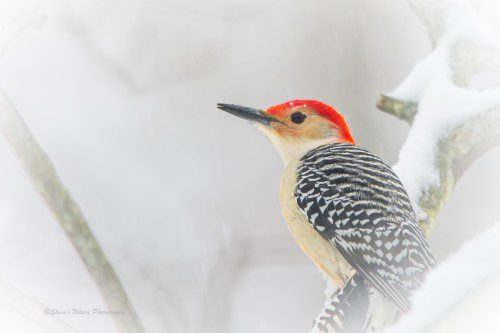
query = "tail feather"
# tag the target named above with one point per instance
(381, 313)
(347, 310)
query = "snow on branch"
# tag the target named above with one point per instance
(458, 31)
(441, 146)
(461, 294)
(452, 124)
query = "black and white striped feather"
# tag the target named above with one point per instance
(346, 310)
(355, 201)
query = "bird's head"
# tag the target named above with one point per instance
(297, 126)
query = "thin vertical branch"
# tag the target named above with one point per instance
(48, 184)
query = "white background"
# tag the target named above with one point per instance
(183, 197)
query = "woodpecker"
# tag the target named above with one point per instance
(346, 209)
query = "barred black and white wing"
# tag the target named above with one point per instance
(356, 202)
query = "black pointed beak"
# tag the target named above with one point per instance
(247, 113)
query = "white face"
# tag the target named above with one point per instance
(296, 127)
(298, 130)
(291, 147)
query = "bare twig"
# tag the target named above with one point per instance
(48, 184)
(400, 109)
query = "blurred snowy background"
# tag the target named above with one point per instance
(182, 197)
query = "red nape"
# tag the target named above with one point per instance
(322, 109)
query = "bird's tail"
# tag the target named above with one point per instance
(356, 308)
(347, 310)
(381, 312)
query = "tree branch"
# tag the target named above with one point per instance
(463, 45)
(460, 146)
(400, 109)
(48, 184)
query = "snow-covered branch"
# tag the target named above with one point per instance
(461, 39)
(430, 179)
(461, 294)
(452, 124)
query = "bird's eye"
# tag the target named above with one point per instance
(298, 117)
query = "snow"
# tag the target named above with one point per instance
(434, 85)
(433, 67)
(442, 106)
(470, 272)
(460, 295)
(461, 17)
(464, 31)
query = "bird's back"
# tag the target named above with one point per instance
(359, 176)
(355, 201)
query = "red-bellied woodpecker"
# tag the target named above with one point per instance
(347, 210)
